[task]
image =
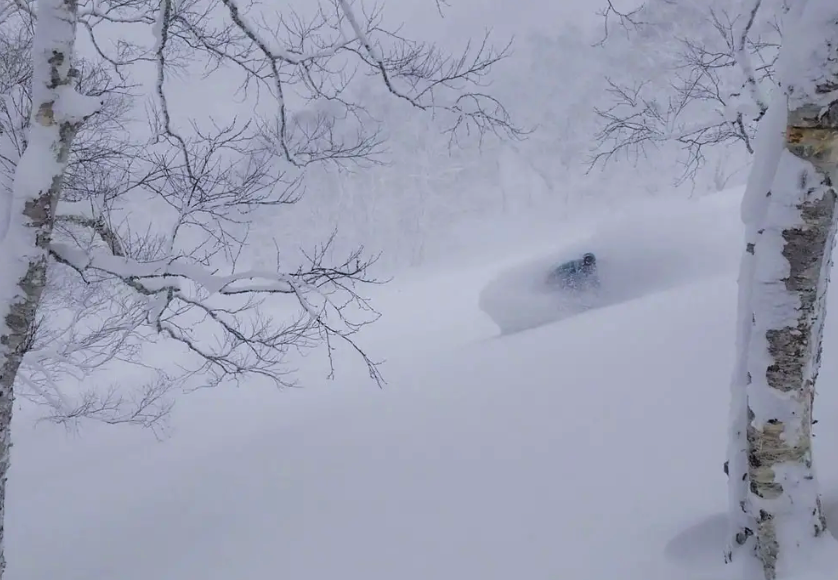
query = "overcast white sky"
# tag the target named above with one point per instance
(464, 18)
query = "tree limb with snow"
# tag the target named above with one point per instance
(209, 178)
(119, 237)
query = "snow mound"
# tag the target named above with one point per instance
(654, 248)
(698, 547)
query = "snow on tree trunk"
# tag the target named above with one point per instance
(784, 356)
(57, 112)
(741, 523)
(787, 304)
(768, 147)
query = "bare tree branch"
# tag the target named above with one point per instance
(714, 97)
(627, 21)
(150, 229)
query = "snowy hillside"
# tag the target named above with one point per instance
(587, 448)
(202, 198)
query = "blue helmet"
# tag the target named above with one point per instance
(589, 259)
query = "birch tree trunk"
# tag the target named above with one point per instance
(57, 113)
(784, 356)
(768, 148)
(791, 264)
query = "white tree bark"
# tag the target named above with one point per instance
(768, 150)
(57, 112)
(783, 360)
(783, 292)
(741, 522)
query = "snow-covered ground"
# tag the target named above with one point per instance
(645, 249)
(585, 448)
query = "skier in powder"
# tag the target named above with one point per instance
(576, 275)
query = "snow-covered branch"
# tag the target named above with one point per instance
(116, 238)
(745, 62)
(222, 319)
(137, 280)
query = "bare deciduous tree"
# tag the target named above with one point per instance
(715, 92)
(119, 236)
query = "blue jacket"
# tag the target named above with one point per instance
(574, 273)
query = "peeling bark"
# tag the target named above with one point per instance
(755, 205)
(792, 257)
(54, 125)
(781, 475)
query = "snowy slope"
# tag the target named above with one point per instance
(647, 248)
(588, 448)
